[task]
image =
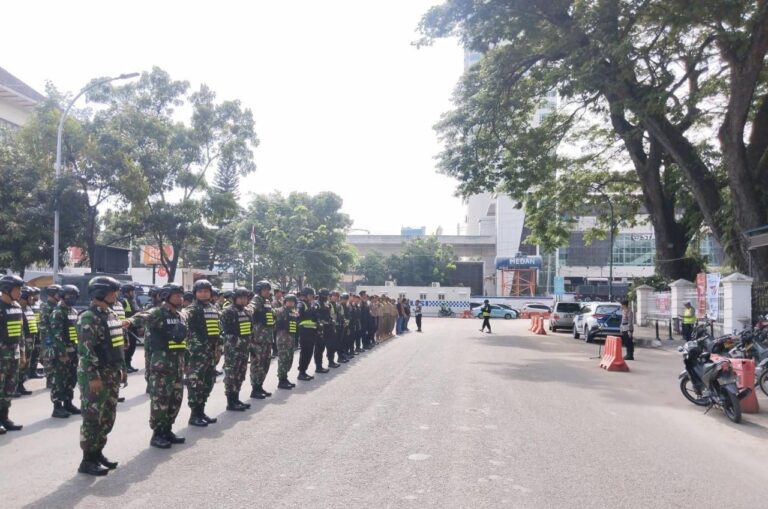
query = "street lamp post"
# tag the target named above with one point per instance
(599, 190)
(58, 162)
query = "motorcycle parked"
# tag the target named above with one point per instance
(445, 311)
(753, 345)
(710, 383)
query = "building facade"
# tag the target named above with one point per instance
(17, 100)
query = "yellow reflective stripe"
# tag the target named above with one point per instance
(245, 328)
(270, 316)
(127, 306)
(72, 334)
(14, 329)
(308, 324)
(32, 322)
(173, 345)
(292, 326)
(212, 326)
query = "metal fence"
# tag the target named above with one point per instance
(759, 300)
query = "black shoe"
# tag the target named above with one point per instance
(219, 373)
(6, 423)
(344, 360)
(304, 377)
(196, 418)
(207, 418)
(58, 411)
(285, 384)
(121, 399)
(334, 365)
(2, 430)
(256, 393)
(159, 439)
(233, 405)
(91, 467)
(265, 393)
(321, 369)
(172, 438)
(131, 369)
(105, 462)
(72, 409)
(629, 358)
(34, 374)
(22, 391)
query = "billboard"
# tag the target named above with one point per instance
(150, 255)
(518, 262)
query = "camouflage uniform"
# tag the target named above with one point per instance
(31, 338)
(46, 350)
(167, 339)
(139, 321)
(236, 329)
(285, 329)
(100, 348)
(11, 350)
(261, 343)
(63, 333)
(204, 340)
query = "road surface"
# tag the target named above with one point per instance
(448, 418)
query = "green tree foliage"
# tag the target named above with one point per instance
(300, 239)
(374, 269)
(423, 261)
(680, 87)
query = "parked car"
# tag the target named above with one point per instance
(597, 319)
(532, 308)
(498, 311)
(563, 314)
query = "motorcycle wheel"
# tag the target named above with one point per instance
(763, 382)
(731, 406)
(686, 387)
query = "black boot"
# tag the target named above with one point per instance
(334, 365)
(90, 465)
(72, 409)
(284, 384)
(105, 462)
(196, 417)
(22, 390)
(257, 392)
(2, 430)
(265, 393)
(209, 420)
(304, 377)
(233, 404)
(172, 438)
(159, 440)
(6, 423)
(58, 410)
(320, 369)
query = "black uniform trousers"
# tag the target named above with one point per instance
(320, 343)
(486, 323)
(307, 341)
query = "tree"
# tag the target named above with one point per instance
(663, 75)
(373, 268)
(423, 261)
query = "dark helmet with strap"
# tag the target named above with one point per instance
(9, 282)
(344, 296)
(71, 290)
(27, 292)
(189, 296)
(323, 292)
(100, 286)
(229, 294)
(127, 287)
(261, 285)
(202, 284)
(53, 290)
(153, 291)
(169, 289)
(307, 290)
(291, 297)
(241, 291)
(35, 290)
(215, 291)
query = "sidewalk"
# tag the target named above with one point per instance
(645, 337)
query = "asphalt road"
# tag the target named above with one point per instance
(448, 418)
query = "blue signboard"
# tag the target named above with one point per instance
(518, 262)
(559, 285)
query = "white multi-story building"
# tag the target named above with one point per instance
(17, 100)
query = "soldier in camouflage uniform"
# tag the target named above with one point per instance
(30, 333)
(64, 339)
(101, 369)
(286, 327)
(261, 342)
(339, 321)
(347, 336)
(325, 322)
(203, 347)
(236, 330)
(33, 357)
(11, 346)
(167, 340)
(53, 296)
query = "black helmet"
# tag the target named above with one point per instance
(202, 284)
(26, 292)
(169, 289)
(52, 290)
(153, 291)
(344, 296)
(72, 290)
(334, 292)
(8, 283)
(262, 285)
(229, 294)
(324, 292)
(215, 291)
(189, 296)
(35, 290)
(241, 292)
(307, 290)
(127, 287)
(276, 288)
(100, 286)
(291, 297)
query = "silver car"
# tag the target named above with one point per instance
(563, 314)
(586, 321)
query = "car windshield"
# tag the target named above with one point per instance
(568, 307)
(606, 310)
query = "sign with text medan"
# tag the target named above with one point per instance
(150, 255)
(518, 262)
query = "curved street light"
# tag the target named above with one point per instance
(598, 188)
(58, 161)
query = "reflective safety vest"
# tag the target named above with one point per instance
(689, 316)
(486, 312)
(292, 325)
(72, 321)
(119, 310)
(308, 324)
(212, 323)
(13, 322)
(127, 307)
(172, 334)
(116, 333)
(244, 322)
(31, 318)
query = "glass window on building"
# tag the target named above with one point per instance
(711, 250)
(440, 296)
(636, 249)
(422, 296)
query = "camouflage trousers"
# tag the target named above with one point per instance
(284, 354)
(235, 362)
(166, 387)
(63, 376)
(32, 351)
(99, 409)
(261, 354)
(8, 368)
(46, 359)
(201, 374)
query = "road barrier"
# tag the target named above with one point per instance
(745, 379)
(613, 357)
(540, 326)
(533, 324)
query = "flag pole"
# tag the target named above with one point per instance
(253, 257)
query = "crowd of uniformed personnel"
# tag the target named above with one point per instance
(185, 336)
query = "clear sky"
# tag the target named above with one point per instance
(342, 100)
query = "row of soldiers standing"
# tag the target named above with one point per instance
(183, 345)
